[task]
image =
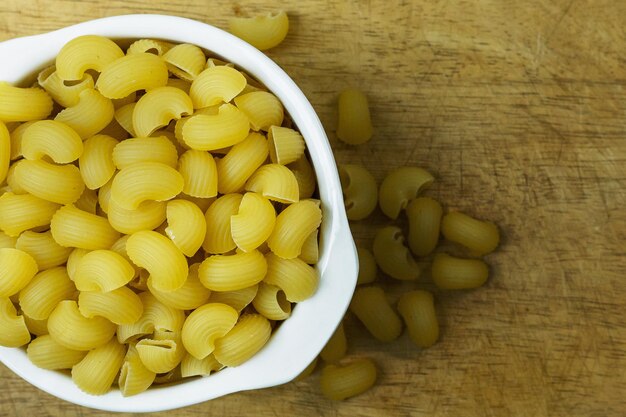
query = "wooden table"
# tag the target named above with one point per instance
(518, 109)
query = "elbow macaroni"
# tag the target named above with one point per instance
(263, 32)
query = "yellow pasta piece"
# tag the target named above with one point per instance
(310, 249)
(36, 327)
(392, 256)
(162, 352)
(124, 117)
(240, 163)
(354, 124)
(253, 223)
(5, 151)
(56, 183)
(237, 299)
(71, 329)
(480, 237)
(186, 226)
(285, 145)
(275, 182)
(216, 85)
(270, 301)
(367, 266)
(67, 95)
(92, 114)
(143, 181)
(23, 104)
(341, 382)
(450, 273)
(14, 331)
(11, 183)
(7, 241)
(103, 270)
(88, 52)
(53, 139)
(243, 341)
(97, 371)
(19, 212)
(96, 164)
(152, 46)
(205, 325)
(18, 269)
(293, 227)
(298, 280)
(371, 307)
(199, 173)
(360, 192)
(401, 186)
(16, 139)
(146, 216)
(88, 201)
(119, 306)
(47, 289)
(156, 317)
(45, 353)
(147, 149)
(262, 108)
(424, 216)
(232, 272)
(218, 238)
(188, 297)
(156, 253)
(262, 32)
(74, 259)
(191, 366)
(185, 61)
(141, 71)
(158, 107)
(336, 347)
(418, 311)
(43, 248)
(305, 176)
(134, 376)
(206, 132)
(75, 228)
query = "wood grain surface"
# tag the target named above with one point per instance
(518, 108)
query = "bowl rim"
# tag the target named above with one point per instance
(283, 358)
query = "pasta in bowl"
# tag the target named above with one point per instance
(137, 249)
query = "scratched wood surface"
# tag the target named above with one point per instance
(518, 109)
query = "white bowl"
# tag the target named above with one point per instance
(301, 337)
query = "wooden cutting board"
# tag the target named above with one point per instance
(518, 109)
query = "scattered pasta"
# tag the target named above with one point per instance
(263, 32)
(354, 125)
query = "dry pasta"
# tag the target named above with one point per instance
(89, 52)
(56, 183)
(199, 173)
(45, 353)
(47, 289)
(243, 341)
(243, 159)
(293, 227)
(392, 256)
(216, 85)
(367, 266)
(147, 216)
(237, 299)
(7, 241)
(285, 145)
(145, 149)
(206, 132)
(53, 139)
(297, 279)
(480, 237)
(305, 176)
(68, 327)
(418, 311)
(218, 238)
(68, 226)
(371, 307)
(161, 352)
(90, 115)
(310, 249)
(43, 248)
(134, 376)
(125, 75)
(424, 216)
(96, 372)
(96, 164)
(336, 347)
(401, 186)
(271, 302)
(191, 366)
(263, 32)
(354, 124)
(156, 317)
(205, 325)
(66, 95)
(19, 212)
(16, 139)
(36, 327)
(152, 46)
(340, 382)
(119, 306)
(186, 226)
(275, 182)
(158, 107)
(232, 272)
(18, 269)
(185, 61)
(359, 190)
(452, 273)
(23, 104)
(253, 223)
(263, 109)
(124, 117)
(188, 297)
(14, 331)
(103, 270)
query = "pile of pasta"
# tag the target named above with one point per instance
(156, 215)
(399, 254)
